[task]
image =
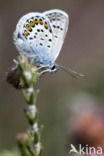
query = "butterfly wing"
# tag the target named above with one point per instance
(59, 22)
(33, 36)
(41, 35)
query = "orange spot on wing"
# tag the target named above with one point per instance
(26, 34)
(36, 22)
(46, 25)
(41, 22)
(29, 28)
(32, 24)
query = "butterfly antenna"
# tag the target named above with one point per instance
(70, 71)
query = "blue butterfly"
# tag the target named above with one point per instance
(40, 36)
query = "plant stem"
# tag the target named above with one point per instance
(30, 143)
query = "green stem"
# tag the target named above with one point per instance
(29, 79)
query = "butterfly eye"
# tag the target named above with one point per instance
(53, 68)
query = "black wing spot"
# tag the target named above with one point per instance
(38, 30)
(54, 26)
(30, 38)
(50, 31)
(61, 29)
(46, 35)
(27, 20)
(41, 38)
(58, 27)
(50, 40)
(56, 36)
(53, 19)
(18, 35)
(41, 44)
(48, 46)
(34, 36)
(30, 20)
(42, 30)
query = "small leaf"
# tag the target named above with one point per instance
(25, 96)
(36, 137)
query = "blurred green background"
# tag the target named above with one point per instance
(62, 101)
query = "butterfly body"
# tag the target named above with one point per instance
(40, 36)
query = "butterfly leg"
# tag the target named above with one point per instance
(43, 72)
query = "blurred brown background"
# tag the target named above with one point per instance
(62, 100)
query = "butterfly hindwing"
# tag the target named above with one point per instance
(35, 34)
(41, 35)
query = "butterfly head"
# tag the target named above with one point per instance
(50, 68)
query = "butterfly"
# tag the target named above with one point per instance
(40, 36)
